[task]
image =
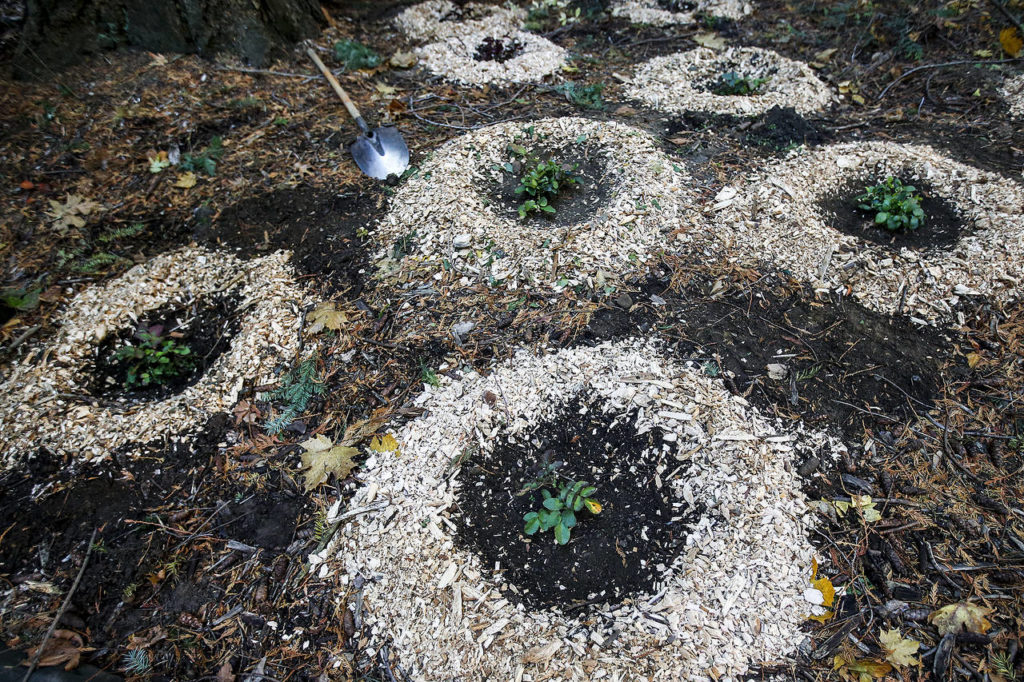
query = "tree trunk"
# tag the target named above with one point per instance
(58, 33)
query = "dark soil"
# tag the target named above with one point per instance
(572, 206)
(781, 128)
(497, 50)
(847, 366)
(140, 500)
(606, 558)
(205, 327)
(774, 131)
(942, 227)
(318, 226)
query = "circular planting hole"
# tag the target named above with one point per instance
(942, 224)
(500, 50)
(169, 350)
(582, 186)
(621, 550)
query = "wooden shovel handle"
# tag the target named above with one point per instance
(353, 112)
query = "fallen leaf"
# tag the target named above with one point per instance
(326, 316)
(861, 502)
(898, 650)
(246, 413)
(69, 214)
(157, 161)
(712, 40)
(865, 670)
(385, 89)
(27, 185)
(186, 180)
(402, 60)
(973, 359)
(322, 458)
(825, 55)
(1010, 41)
(64, 646)
(953, 618)
(625, 110)
(385, 444)
(827, 590)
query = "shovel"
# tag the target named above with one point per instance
(379, 152)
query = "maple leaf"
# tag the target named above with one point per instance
(385, 444)
(712, 40)
(322, 458)
(325, 315)
(158, 161)
(246, 412)
(898, 650)
(1010, 41)
(861, 502)
(954, 618)
(69, 214)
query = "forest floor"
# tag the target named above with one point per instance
(194, 550)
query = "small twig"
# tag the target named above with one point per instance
(264, 72)
(943, 65)
(61, 610)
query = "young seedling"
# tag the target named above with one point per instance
(559, 513)
(541, 183)
(894, 204)
(156, 360)
(731, 83)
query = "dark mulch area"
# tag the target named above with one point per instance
(942, 228)
(845, 366)
(322, 228)
(205, 327)
(611, 555)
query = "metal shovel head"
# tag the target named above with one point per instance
(381, 152)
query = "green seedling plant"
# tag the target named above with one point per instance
(155, 360)
(206, 160)
(895, 205)
(731, 83)
(558, 513)
(583, 96)
(541, 183)
(353, 55)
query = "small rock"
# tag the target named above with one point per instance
(809, 466)
(623, 301)
(462, 241)
(777, 371)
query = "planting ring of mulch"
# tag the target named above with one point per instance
(686, 81)
(661, 13)
(1013, 94)
(449, 221)
(462, 55)
(780, 216)
(437, 19)
(51, 398)
(733, 594)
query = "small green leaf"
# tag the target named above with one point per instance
(532, 526)
(552, 504)
(561, 534)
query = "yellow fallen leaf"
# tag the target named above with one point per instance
(954, 618)
(828, 593)
(323, 458)
(325, 315)
(898, 650)
(186, 180)
(1010, 41)
(865, 670)
(385, 444)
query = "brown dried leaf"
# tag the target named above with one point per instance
(325, 315)
(1010, 41)
(64, 646)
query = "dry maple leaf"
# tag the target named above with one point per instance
(326, 316)
(322, 458)
(186, 180)
(69, 214)
(245, 412)
(64, 646)
(898, 650)
(863, 670)
(954, 618)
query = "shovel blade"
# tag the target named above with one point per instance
(381, 153)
